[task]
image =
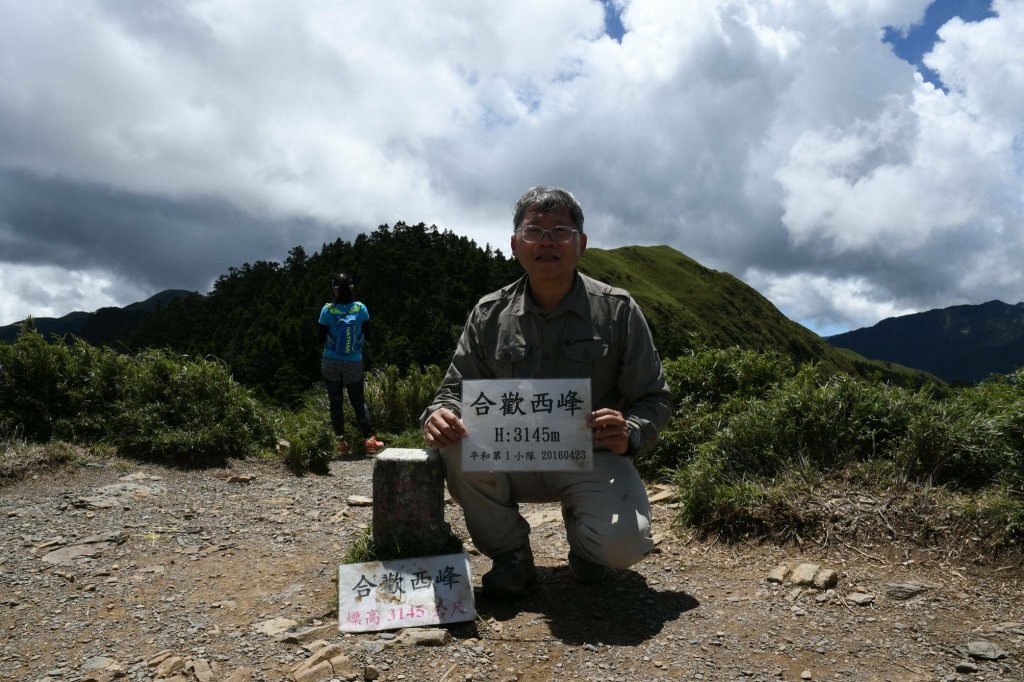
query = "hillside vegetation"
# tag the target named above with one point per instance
(420, 284)
(964, 343)
(770, 423)
(690, 306)
(757, 445)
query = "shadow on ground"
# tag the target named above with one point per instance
(623, 610)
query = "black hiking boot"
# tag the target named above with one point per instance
(512, 574)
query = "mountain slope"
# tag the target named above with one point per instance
(959, 343)
(102, 326)
(691, 306)
(420, 284)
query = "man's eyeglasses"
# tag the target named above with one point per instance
(533, 234)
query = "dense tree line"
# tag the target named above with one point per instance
(419, 283)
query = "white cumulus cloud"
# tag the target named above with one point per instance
(154, 145)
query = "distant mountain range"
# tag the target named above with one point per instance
(102, 326)
(260, 319)
(963, 343)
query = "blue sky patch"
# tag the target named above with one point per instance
(922, 36)
(613, 21)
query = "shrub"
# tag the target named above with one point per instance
(808, 428)
(311, 443)
(187, 411)
(708, 387)
(396, 400)
(155, 404)
(715, 375)
(63, 390)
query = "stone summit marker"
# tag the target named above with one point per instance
(408, 521)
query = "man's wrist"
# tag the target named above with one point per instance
(633, 442)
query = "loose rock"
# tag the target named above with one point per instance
(804, 574)
(778, 574)
(986, 651)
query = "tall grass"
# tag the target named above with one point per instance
(187, 411)
(767, 440)
(396, 400)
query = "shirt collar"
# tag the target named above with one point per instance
(575, 301)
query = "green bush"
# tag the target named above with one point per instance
(188, 411)
(155, 404)
(61, 390)
(716, 375)
(310, 440)
(808, 429)
(708, 387)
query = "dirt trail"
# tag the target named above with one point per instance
(115, 570)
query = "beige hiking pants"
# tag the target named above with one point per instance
(606, 511)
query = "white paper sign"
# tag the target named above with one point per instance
(384, 595)
(527, 425)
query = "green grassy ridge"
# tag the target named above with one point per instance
(690, 306)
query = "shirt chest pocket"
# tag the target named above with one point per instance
(582, 355)
(509, 356)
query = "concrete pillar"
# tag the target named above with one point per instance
(408, 505)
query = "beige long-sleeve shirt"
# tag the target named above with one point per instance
(597, 331)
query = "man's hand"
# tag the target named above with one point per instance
(443, 428)
(611, 432)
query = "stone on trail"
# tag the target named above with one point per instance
(904, 591)
(861, 598)
(275, 626)
(826, 579)
(202, 670)
(358, 501)
(778, 574)
(986, 651)
(310, 634)
(242, 674)
(804, 574)
(169, 665)
(86, 547)
(421, 637)
(97, 663)
(159, 658)
(101, 669)
(326, 663)
(662, 493)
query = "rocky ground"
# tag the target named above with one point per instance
(115, 570)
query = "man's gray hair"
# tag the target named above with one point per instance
(545, 199)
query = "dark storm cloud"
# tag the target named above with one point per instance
(153, 242)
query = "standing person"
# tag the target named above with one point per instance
(344, 327)
(555, 322)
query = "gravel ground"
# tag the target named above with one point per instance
(115, 570)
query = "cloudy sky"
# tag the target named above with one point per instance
(851, 159)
